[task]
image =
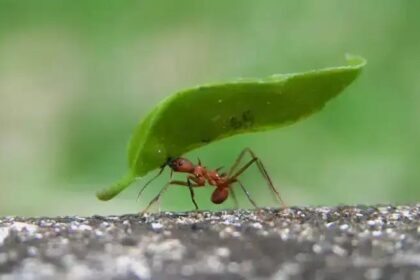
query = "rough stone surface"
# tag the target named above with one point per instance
(345, 242)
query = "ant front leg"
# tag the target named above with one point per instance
(260, 166)
(164, 189)
(192, 194)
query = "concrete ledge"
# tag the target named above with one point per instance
(345, 242)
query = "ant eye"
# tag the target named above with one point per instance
(180, 163)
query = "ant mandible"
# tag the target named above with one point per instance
(223, 182)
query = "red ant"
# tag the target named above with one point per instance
(223, 182)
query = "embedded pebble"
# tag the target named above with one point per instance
(4, 232)
(343, 242)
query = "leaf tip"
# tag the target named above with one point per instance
(355, 60)
(113, 190)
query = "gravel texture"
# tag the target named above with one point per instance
(345, 242)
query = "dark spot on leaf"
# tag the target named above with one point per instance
(248, 118)
(245, 120)
(235, 123)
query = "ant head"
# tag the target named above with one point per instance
(181, 165)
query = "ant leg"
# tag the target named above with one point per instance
(235, 200)
(151, 180)
(247, 194)
(261, 168)
(190, 186)
(237, 162)
(157, 197)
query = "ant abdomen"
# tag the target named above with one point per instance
(219, 195)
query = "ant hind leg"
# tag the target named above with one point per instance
(235, 200)
(261, 168)
(237, 162)
(247, 194)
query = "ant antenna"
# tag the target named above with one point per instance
(151, 180)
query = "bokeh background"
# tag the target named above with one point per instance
(77, 76)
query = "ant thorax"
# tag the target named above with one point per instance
(200, 171)
(214, 178)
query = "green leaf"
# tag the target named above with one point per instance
(198, 116)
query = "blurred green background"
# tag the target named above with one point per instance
(76, 77)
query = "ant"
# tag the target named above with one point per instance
(199, 175)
